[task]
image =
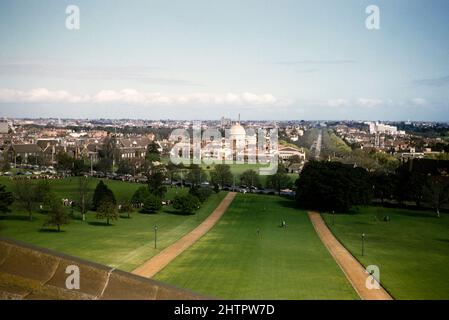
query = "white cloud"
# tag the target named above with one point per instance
(420, 102)
(39, 95)
(337, 102)
(369, 103)
(139, 98)
(360, 102)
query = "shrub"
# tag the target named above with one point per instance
(186, 204)
(151, 204)
(140, 195)
(201, 193)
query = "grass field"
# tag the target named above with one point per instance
(411, 250)
(125, 244)
(238, 169)
(233, 262)
(67, 188)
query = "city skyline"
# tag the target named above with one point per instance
(197, 60)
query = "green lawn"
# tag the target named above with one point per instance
(67, 188)
(411, 250)
(233, 262)
(238, 169)
(125, 244)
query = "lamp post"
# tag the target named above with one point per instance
(333, 217)
(155, 236)
(363, 244)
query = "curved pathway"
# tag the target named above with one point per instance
(354, 271)
(163, 258)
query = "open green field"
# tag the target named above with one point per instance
(238, 169)
(67, 188)
(233, 262)
(125, 244)
(411, 250)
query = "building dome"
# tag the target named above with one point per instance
(237, 130)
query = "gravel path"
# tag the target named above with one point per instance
(162, 259)
(354, 271)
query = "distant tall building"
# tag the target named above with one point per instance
(376, 127)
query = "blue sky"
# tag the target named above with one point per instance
(204, 59)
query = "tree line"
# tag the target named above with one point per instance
(334, 186)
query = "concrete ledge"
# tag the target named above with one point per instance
(31, 272)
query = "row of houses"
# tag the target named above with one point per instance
(46, 150)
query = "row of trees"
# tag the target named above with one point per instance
(221, 176)
(333, 186)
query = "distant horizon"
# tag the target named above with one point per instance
(232, 119)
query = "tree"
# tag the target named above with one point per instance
(408, 185)
(383, 185)
(125, 167)
(436, 191)
(79, 166)
(156, 177)
(151, 204)
(6, 199)
(108, 154)
(64, 161)
(153, 153)
(107, 210)
(172, 170)
(186, 204)
(140, 195)
(250, 178)
(42, 191)
(279, 180)
(68, 163)
(201, 193)
(24, 193)
(83, 195)
(56, 216)
(104, 165)
(415, 185)
(127, 208)
(196, 175)
(4, 164)
(332, 186)
(221, 175)
(102, 194)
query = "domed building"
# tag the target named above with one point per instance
(238, 141)
(237, 132)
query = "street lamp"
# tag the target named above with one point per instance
(155, 236)
(363, 244)
(333, 217)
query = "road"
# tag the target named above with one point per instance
(316, 146)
